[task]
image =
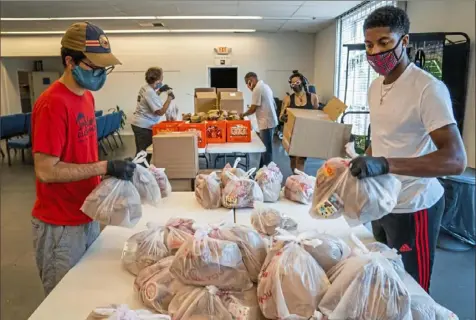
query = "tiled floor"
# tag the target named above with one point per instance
(453, 282)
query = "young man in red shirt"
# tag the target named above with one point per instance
(65, 151)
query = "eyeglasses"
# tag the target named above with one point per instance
(97, 71)
(295, 84)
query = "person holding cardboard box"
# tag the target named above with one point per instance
(262, 104)
(414, 136)
(303, 99)
(149, 108)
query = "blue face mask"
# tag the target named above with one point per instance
(158, 86)
(89, 79)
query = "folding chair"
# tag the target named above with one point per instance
(98, 113)
(23, 143)
(100, 126)
(12, 126)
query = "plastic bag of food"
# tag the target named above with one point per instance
(238, 172)
(252, 246)
(122, 312)
(269, 179)
(299, 187)
(240, 192)
(162, 180)
(204, 261)
(365, 286)
(208, 191)
(145, 181)
(339, 193)
(242, 305)
(265, 220)
(172, 112)
(198, 304)
(395, 259)
(114, 202)
(144, 249)
(177, 231)
(291, 282)
(425, 308)
(326, 249)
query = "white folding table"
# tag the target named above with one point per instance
(99, 278)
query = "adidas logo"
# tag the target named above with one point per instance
(405, 248)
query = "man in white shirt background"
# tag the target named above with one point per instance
(263, 105)
(414, 136)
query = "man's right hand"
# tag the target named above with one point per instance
(164, 88)
(121, 169)
(171, 96)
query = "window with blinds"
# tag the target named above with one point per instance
(354, 78)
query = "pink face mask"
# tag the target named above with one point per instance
(385, 62)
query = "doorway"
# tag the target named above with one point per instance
(223, 77)
(24, 89)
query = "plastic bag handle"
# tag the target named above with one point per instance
(359, 243)
(141, 157)
(237, 160)
(350, 150)
(250, 172)
(301, 239)
(300, 173)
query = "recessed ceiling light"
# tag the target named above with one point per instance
(136, 18)
(135, 31)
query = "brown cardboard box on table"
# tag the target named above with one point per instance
(220, 90)
(205, 99)
(177, 152)
(232, 101)
(182, 185)
(315, 134)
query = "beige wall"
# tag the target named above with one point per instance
(324, 61)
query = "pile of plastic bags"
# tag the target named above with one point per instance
(338, 193)
(267, 220)
(299, 187)
(123, 312)
(269, 179)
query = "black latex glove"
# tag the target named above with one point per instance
(366, 167)
(171, 95)
(121, 169)
(164, 88)
(284, 118)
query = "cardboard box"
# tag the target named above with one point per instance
(205, 101)
(232, 101)
(216, 131)
(334, 108)
(205, 90)
(200, 129)
(177, 152)
(182, 185)
(166, 126)
(238, 131)
(220, 90)
(312, 133)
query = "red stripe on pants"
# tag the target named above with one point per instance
(427, 250)
(419, 232)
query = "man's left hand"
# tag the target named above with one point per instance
(366, 167)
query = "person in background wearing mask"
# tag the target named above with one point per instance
(300, 98)
(414, 136)
(262, 103)
(149, 108)
(65, 151)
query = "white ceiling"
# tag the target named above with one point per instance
(279, 16)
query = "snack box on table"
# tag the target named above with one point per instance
(216, 131)
(315, 134)
(205, 100)
(232, 101)
(200, 129)
(166, 126)
(177, 152)
(238, 131)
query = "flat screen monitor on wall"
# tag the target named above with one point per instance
(223, 77)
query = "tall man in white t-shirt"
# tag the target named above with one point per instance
(414, 136)
(263, 105)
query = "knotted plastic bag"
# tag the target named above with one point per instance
(299, 187)
(269, 179)
(338, 193)
(395, 258)
(162, 180)
(242, 305)
(122, 312)
(114, 202)
(200, 303)
(240, 192)
(208, 191)
(204, 261)
(177, 231)
(238, 172)
(251, 244)
(291, 282)
(145, 182)
(365, 286)
(144, 249)
(266, 220)
(425, 308)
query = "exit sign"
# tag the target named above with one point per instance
(223, 50)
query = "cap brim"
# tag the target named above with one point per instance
(102, 59)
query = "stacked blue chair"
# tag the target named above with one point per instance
(100, 128)
(98, 113)
(11, 128)
(107, 126)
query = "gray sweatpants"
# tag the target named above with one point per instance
(59, 248)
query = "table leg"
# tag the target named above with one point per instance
(247, 157)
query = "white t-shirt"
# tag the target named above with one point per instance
(412, 107)
(262, 97)
(148, 102)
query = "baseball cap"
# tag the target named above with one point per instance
(92, 41)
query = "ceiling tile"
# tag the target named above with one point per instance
(216, 9)
(325, 9)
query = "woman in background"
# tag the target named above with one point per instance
(300, 98)
(149, 108)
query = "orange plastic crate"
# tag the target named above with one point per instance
(238, 131)
(200, 128)
(216, 131)
(166, 126)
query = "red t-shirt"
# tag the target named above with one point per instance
(64, 126)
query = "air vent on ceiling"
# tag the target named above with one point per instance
(152, 25)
